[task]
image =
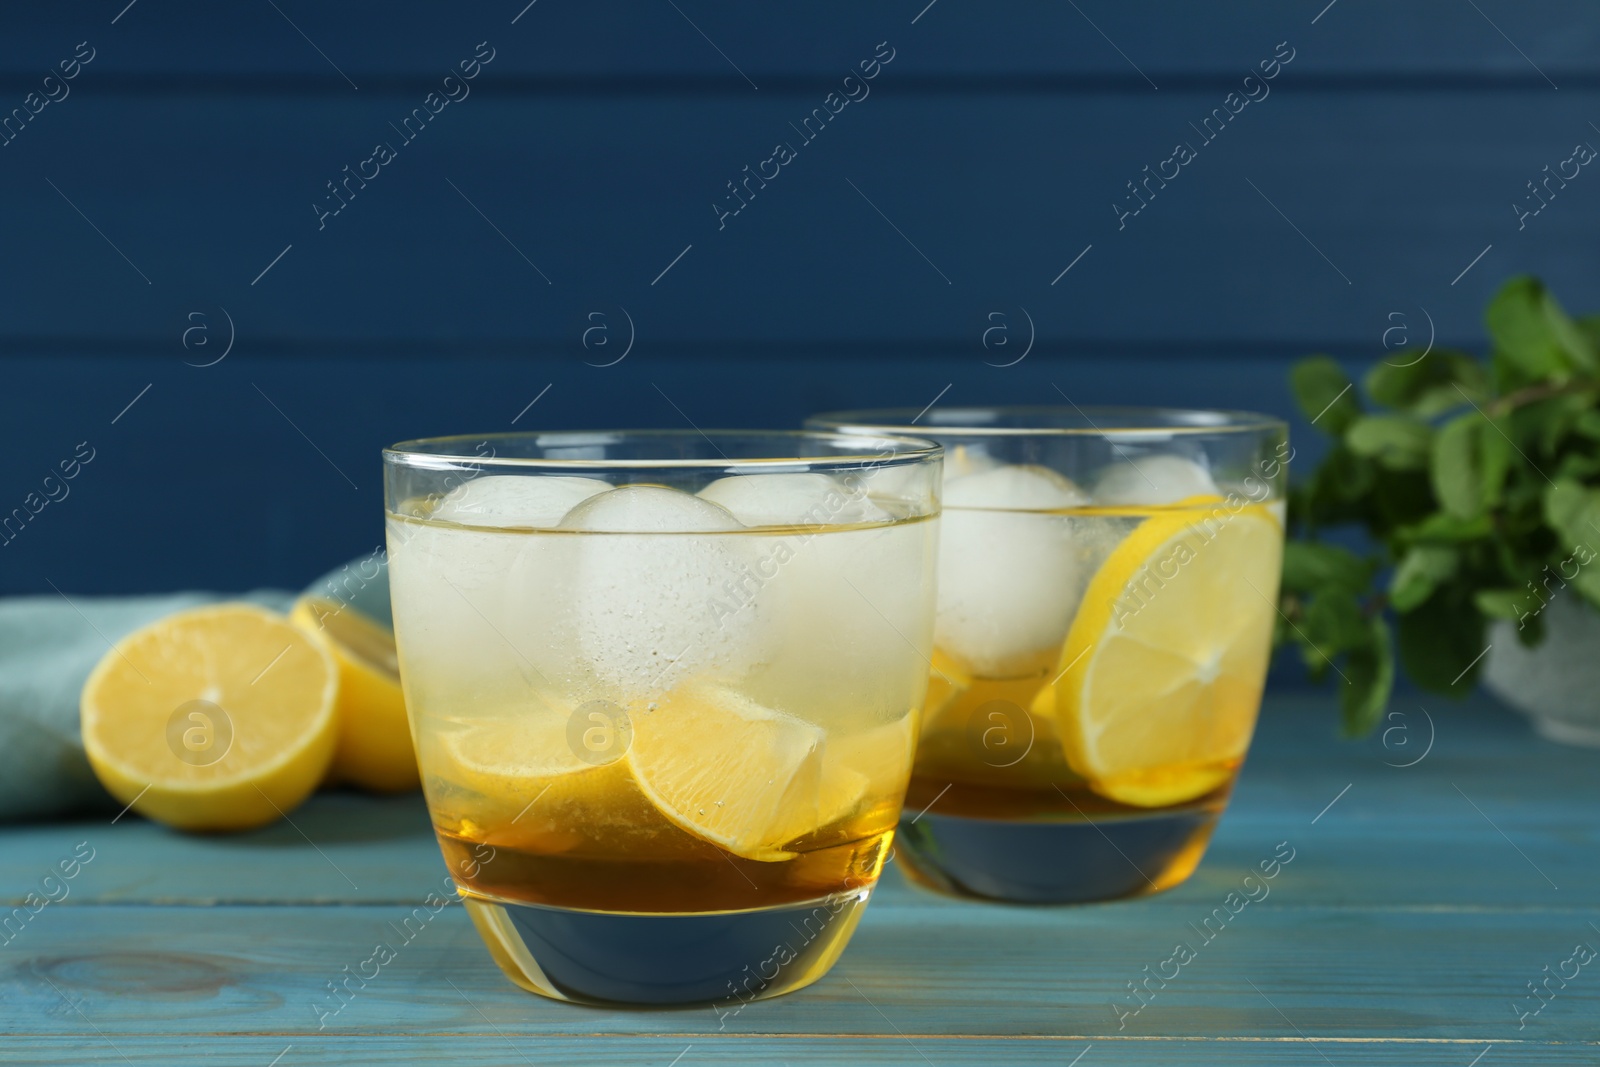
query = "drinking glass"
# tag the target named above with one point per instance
(1107, 590)
(663, 688)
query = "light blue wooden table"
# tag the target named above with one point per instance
(1420, 903)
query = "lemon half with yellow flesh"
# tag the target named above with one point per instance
(1161, 674)
(217, 718)
(374, 749)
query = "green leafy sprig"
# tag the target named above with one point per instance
(1477, 486)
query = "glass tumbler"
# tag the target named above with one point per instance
(664, 690)
(1107, 591)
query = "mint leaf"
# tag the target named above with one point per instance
(1544, 423)
(1439, 639)
(1431, 385)
(1420, 571)
(1587, 583)
(1502, 603)
(1573, 511)
(1369, 678)
(1333, 622)
(1397, 442)
(1457, 468)
(1471, 456)
(1589, 326)
(1588, 425)
(1572, 339)
(1576, 467)
(1338, 491)
(1533, 336)
(1309, 566)
(1444, 528)
(1325, 393)
(1495, 452)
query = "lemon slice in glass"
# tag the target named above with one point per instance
(731, 771)
(1162, 670)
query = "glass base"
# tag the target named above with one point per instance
(1055, 861)
(639, 959)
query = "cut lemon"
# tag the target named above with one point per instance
(374, 750)
(730, 771)
(218, 718)
(514, 779)
(1162, 671)
(870, 765)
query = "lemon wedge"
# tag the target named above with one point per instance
(1161, 673)
(871, 766)
(731, 771)
(217, 718)
(515, 778)
(374, 749)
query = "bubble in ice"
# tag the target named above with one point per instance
(653, 601)
(537, 501)
(800, 498)
(1160, 479)
(1008, 575)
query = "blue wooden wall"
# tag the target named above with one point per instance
(164, 203)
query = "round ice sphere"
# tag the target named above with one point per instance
(803, 498)
(1022, 488)
(1153, 480)
(537, 501)
(655, 595)
(1008, 576)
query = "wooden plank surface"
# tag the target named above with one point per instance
(1419, 903)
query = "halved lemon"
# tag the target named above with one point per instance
(374, 750)
(217, 718)
(1162, 670)
(734, 772)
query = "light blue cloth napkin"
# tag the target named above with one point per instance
(48, 646)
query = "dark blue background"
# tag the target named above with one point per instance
(191, 149)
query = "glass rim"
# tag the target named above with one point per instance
(1105, 421)
(430, 453)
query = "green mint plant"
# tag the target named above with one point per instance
(1477, 485)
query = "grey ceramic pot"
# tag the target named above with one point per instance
(1556, 684)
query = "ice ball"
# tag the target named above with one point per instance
(1009, 573)
(801, 498)
(537, 501)
(653, 597)
(1019, 487)
(1148, 480)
